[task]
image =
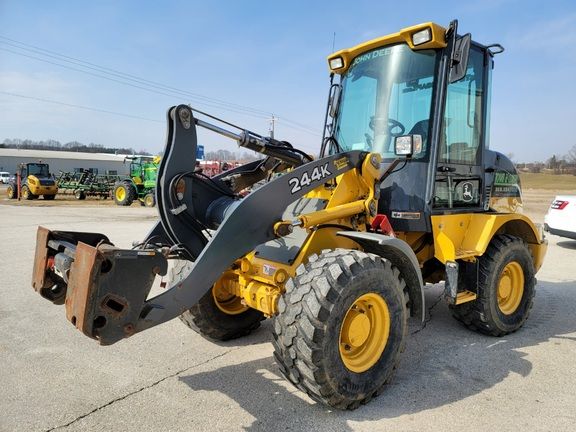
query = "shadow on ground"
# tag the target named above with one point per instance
(567, 244)
(443, 363)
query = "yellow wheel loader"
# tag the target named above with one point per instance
(336, 250)
(31, 181)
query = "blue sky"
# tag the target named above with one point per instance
(269, 57)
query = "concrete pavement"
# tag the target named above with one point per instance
(170, 379)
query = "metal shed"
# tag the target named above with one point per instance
(64, 161)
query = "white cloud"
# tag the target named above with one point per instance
(38, 84)
(552, 35)
(19, 111)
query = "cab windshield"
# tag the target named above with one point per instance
(387, 92)
(39, 170)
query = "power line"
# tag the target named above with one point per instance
(140, 83)
(87, 108)
(128, 83)
(298, 126)
(119, 74)
(80, 106)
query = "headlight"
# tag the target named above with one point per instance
(336, 63)
(422, 37)
(408, 145)
(403, 145)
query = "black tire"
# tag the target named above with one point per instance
(49, 197)
(124, 193)
(307, 330)
(11, 191)
(485, 314)
(206, 318)
(150, 199)
(26, 194)
(79, 195)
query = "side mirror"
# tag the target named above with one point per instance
(335, 100)
(408, 145)
(460, 58)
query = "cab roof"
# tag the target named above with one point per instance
(438, 40)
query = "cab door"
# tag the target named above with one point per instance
(459, 178)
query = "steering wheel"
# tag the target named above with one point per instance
(392, 124)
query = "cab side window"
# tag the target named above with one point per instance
(463, 116)
(459, 177)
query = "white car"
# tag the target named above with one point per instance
(4, 177)
(561, 217)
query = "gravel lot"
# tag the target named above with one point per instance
(170, 379)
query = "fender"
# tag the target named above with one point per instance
(401, 255)
(460, 236)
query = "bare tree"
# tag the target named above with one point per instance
(571, 156)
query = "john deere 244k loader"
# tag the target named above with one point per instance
(337, 249)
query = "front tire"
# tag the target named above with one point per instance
(506, 289)
(341, 327)
(26, 194)
(150, 200)
(11, 191)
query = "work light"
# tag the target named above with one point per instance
(403, 145)
(336, 63)
(422, 37)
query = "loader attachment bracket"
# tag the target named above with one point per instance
(47, 280)
(105, 288)
(108, 289)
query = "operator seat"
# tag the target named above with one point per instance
(421, 128)
(461, 152)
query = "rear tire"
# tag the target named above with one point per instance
(79, 195)
(49, 197)
(330, 337)
(124, 193)
(506, 289)
(207, 318)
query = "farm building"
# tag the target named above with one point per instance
(64, 161)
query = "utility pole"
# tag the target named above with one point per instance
(272, 123)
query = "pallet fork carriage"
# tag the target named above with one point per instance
(336, 250)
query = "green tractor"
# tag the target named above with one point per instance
(140, 185)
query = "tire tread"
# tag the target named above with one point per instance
(299, 328)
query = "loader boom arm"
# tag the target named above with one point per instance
(106, 288)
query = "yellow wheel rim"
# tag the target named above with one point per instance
(510, 288)
(148, 201)
(120, 193)
(364, 332)
(224, 297)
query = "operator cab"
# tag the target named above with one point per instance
(40, 170)
(433, 88)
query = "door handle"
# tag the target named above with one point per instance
(446, 169)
